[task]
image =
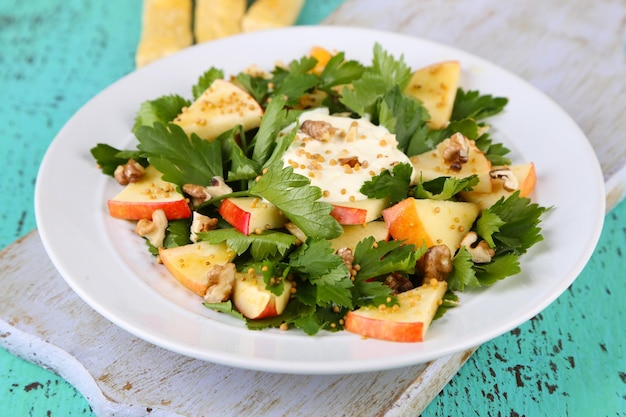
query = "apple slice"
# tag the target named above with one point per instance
(190, 264)
(138, 200)
(251, 215)
(526, 178)
(254, 301)
(360, 211)
(221, 107)
(430, 222)
(431, 164)
(353, 234)
(435, 86)
(406, 322)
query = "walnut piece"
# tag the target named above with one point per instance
(131, 171)
(201, 223)
(481, 252)
(435, 263)
(351, 161)
(199, 193)
(398, 282)
(153, 230)
(221, 279)
(317, 129)
(507, 176)
(457, 151)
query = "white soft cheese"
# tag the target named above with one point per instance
(342, 162)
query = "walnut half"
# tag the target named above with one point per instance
(481, 252)
(153, 230)
(131, 171)
(221, 280)
(435, 263)
(456, 153)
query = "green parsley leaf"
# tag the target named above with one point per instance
(258, 87)
(163, 110)
(394, 184)
(177, 233)
(235, 161)
(273, 121)
(385, 73)
(292, 194)
(487, 224)
(339, 72)
(268, 244)
(180, 159)
(402, 115)
(495, 152)
(295, 81)
(382, 258)
(473, 105)
(444, 188)
(109, 158)
(394, 71)
(225, 307)
(499, 268)
(317, 262)
(520, 230)
(463, 274)
(205, 81)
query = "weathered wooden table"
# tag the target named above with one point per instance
(572, 50)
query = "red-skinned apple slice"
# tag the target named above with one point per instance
(407, 322)
(526, 178)
(190, 264)
(138, 200)
(430, 222)
(250, 215)
(358, 212)
(221, 107)
(252, 299)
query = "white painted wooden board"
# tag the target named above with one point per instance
(572, 50)
(43, 321)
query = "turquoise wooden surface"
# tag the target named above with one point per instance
(56, 54)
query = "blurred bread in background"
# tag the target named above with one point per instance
(171, 25)
(165, 29)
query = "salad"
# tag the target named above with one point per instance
(327, 194)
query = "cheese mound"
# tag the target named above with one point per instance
(339, 154)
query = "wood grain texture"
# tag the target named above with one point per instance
(45, 322)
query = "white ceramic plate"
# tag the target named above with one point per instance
(108, 266)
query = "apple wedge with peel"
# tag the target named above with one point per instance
(408, 321)
(221, 107)
(526, 177)
(431, 164)
(431, 222)
(353, 234)
(190, 264)
(435, 86)
(254, 301)
(138, 200)
(358, 212)
(251, 215)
